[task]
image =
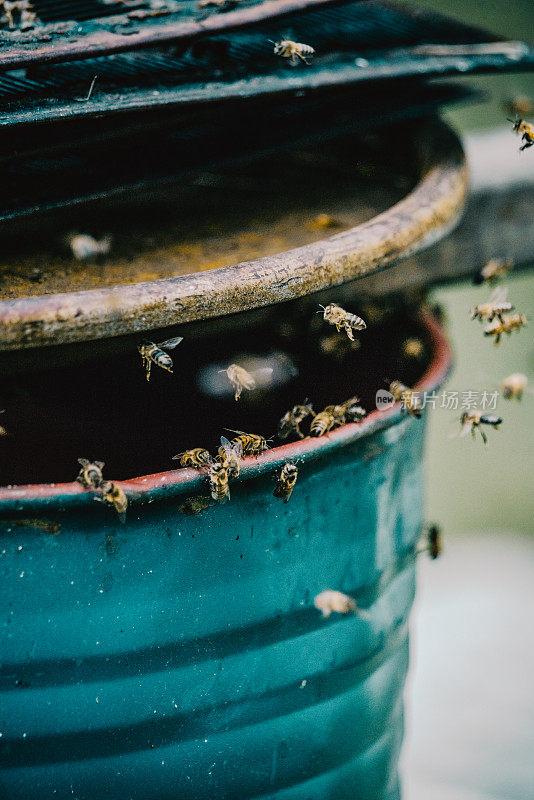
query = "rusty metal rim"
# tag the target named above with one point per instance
(426, 214)
(165, 485)
(107, 42)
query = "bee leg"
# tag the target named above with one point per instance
(484, 437)
(497, 339)
(148, 367)
(349, 332)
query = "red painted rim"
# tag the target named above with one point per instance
(176, 482)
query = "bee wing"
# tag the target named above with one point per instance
(170, 344)
(241, 433)
(263, 372)
(498, 295)
(83, 462)
(177, 456)
(99, 464)
(466, 429)
(226, 445)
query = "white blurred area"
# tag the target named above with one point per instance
(470, 696)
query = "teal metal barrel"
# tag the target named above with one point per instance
(182, 656)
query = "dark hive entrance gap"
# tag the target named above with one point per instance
(103, 408)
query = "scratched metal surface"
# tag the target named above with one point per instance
(355, 42)
(182, 656)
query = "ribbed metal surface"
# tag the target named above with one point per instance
(182, 656)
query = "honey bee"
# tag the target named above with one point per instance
(507, 324)
(90, 474)
(326, 420)
(525, 130)
(154, 354)
(342, 319)
(295, 51)
(286, 481)
(85, 247)
(112, 495)
(3, 431)
(514, 385)
(218, 482)
(472, 420)
(494, 270)
(18, 13)
(197, 458)
(251, 443)
(240, 379)
(413, 348)
(353, 410)
(432, 542)
(408, 397)
(496, 306)
(290, 422)
(331, 600)
(230, 456)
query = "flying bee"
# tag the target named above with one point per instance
(496, 306)
(230, 456)
(432, 542)
(90, 474)
(493, 270)
(408, 397)
(353, 410)
(286, 481)
(507, 324)
(471, 421)
(251, 443)
(290, 422)
(240, 379)
(218, 482)
(331, 600)
(154, 354)
(295, 51)
(514, 385)
(197, 458)
(523, 129)
(342, 319)
(85, 247)
(326, 420)
(112, 495)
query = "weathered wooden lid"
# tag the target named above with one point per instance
(419, 218)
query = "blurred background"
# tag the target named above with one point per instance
(470, 710)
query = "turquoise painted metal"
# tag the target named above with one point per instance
(182, 656)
